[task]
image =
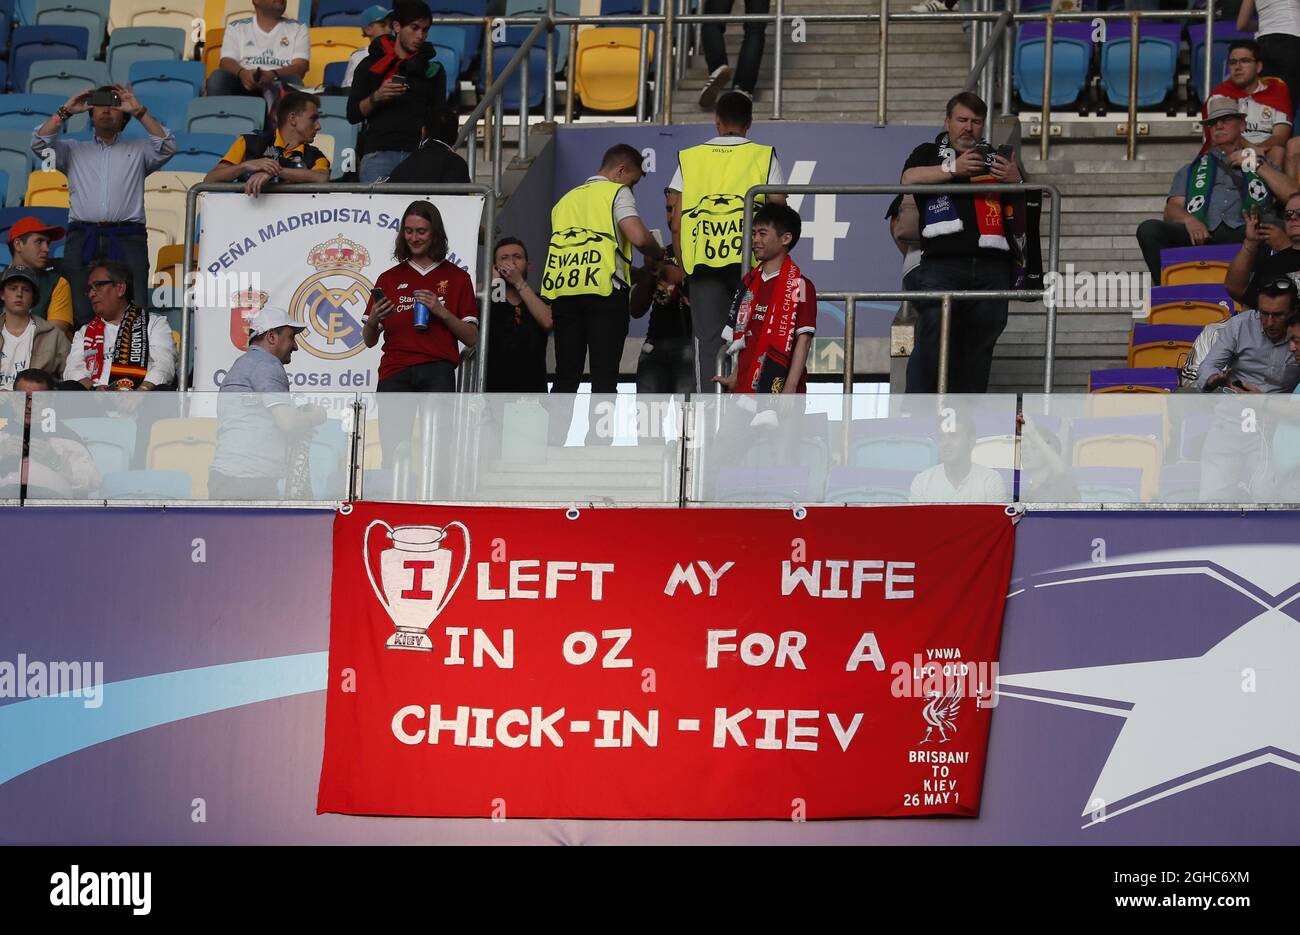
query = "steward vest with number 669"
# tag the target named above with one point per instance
(586, 248)
(715, 177)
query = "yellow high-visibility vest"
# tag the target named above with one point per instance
(586, 248)
(715, 177)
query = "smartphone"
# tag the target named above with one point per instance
(105, 99)
(376, 293)
(398, 79)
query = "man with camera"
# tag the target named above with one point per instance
(395, 93)
(259, 52)
(965, 246)
(105, 187)
(1211, 196)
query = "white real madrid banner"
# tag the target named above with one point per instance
(317, 256)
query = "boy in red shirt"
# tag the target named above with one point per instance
(774, 315)
(1265, 102)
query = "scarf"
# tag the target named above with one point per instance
(765, 367)
(939, 212)
(1200, 183)
(130, 361)
(387, 64)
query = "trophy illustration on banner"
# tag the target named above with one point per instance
(413, 578)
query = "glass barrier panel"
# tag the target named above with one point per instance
(1186, 447)
(831, 448)
(508, 447)
(190, 447)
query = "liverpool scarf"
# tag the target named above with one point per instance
(939, 212)
(1200, 184)
(130, 360)
(386, 65)
(763, 347)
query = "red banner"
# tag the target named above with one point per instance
(493, 662)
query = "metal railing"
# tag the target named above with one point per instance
(945, 297)
(476, 363)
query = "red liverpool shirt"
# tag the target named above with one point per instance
(404, 346)
(805, 322)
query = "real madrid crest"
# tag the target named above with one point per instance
(331, 302)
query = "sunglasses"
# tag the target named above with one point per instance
(1291, 214)
(1280, 285)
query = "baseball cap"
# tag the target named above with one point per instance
(31, 225)
(23, 273)
(270, 318)
(1220, 105)
(372, 14)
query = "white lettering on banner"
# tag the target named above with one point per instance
(686, 575)
(824, 229)
(810, 579)
(799, 735)
(318, 264)
(757, 649)
(518, 581)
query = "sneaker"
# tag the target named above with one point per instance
(714, 86)
(931, 6)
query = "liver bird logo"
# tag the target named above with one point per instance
(940, 713)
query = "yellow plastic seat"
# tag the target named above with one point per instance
(1196, 271)
(1123, 451)
(331, 44)
(1159, 354)
(184, 445)
(606, 67)
(1131, 401)
(186, 15)
(46, 190)
(1188, 313)
(212, 50)
(325, 143)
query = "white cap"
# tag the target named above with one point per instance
(270, 318)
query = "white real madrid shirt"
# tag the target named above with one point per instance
(15, 355)
(247, 44)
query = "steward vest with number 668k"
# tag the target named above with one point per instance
(715, 177)
(586, 248)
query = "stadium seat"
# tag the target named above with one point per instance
(1121, 442)
(331, 44)
(1161, 345)
(453, 38)
(325, 143)
(1183, 266)
(184, 15)
(146, 485)
(1191, 435)
(24, 12)
(42, 43)
(184, 445)
(338, 13)
(605, 74)
(111, 441)
(898, 444)
(199, 152)
(1157, 63)
(1145, 380)
(232, 10)
(473, 45)
(90, 14)
(47, 190)
(164, 203)
(27, 111)
(1071, 60)
(6, 23)
(17, 161)
(1225, 31)
(868, 485)
(1109, 484)
(452, 63)
(536, 64)
(782, 484)
(1180, 483)
(334, 74)
(159, 74)
(1199, 304)
(133, 44)
(65, 77)
(228, 115)
(562, 8)
(212, 50)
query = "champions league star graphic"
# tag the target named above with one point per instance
(1192, 720)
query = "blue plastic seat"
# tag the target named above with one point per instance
(338, 13)
(227, 114)
(65, 77)
(334, 105)
(1071, 61)
(1225, 31)
(24, 12)
(562, 8)
(111, 441)
(141, 44)
(897, 444)
(451, 64)
(145, 485)
(1157, 378)
(27, 111)
(41, 43)
(1157, 63)
(473, 34)
(17, 160)
(448, 37)
(92, 14)
(335, 72)
(146, 75)
(199, 152)
(536, 65)
(78, 128)
(868, 485)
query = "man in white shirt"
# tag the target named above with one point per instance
(123, 347)
(258, 52)
(376, 21)
(955, 479)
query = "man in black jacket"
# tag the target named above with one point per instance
(396, 91)
(435, 162)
